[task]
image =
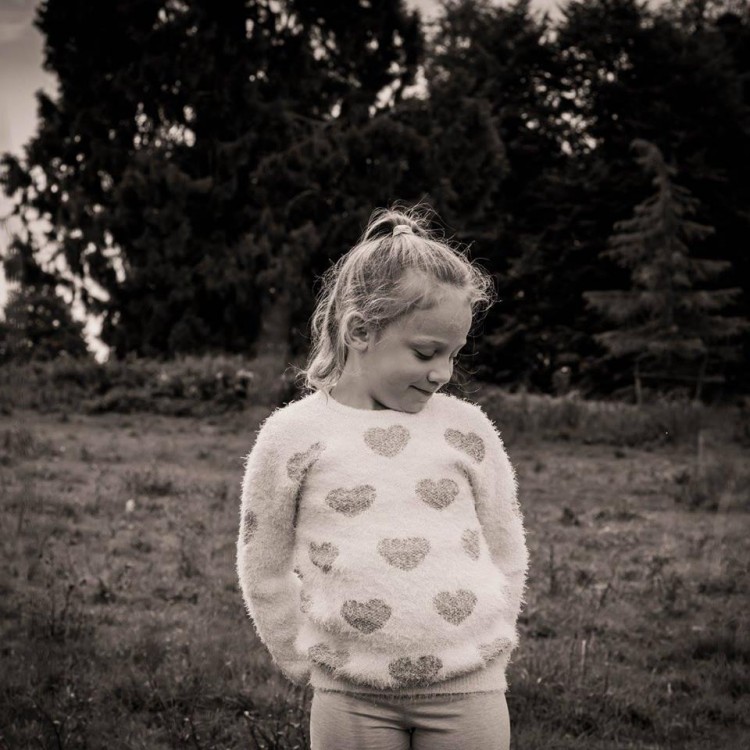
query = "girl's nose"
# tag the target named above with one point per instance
(440, 375)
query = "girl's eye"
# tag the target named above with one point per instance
(430, 356)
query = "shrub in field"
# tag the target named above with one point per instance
(541, 416)
(187, 386)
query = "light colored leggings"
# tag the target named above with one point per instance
(341, 721)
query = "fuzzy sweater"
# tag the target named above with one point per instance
(383, 551)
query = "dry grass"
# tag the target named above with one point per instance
(122, 624)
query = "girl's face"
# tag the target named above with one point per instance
(414, 356)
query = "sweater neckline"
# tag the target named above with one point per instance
(329, 402)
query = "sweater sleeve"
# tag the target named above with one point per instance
(265, 550)
(500, 515)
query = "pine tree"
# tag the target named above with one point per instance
(668, 317)
(688, 84)
(319, 193)
(38, 326)
(144, 166)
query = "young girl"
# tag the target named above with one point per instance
(381, 552)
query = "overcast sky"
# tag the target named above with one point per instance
(21, 75)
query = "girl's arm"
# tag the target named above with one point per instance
(265, 549)
(500, 515)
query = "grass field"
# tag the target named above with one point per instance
(123, 627)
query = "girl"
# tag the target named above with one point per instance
(381, 552)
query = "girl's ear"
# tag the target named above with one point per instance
(359, 336)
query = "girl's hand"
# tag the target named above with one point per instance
(298, 673)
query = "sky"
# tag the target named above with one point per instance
(21, 75)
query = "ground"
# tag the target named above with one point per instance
(122, 623)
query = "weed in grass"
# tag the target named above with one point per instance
(139, 544)
(712, 486)
(21, 443)
(92, 505)
(723, 584)
(552, 573)
(104, 593)
(620, 513)
(192, 555)
(30, 538)
(25, 500)
(667, 586)
(727, 642)
(57, 613)
(149, 482)
(569, 518)
(221, 493)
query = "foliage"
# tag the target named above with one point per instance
(39, 325)
(668, 314)
(192, 207)
(186, 385)
(144, 166)
(636, 73)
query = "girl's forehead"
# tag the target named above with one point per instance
(448, 321)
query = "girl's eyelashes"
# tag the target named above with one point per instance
(422, 356)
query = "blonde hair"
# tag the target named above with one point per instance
(371, 282)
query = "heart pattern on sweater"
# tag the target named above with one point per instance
(304, 601)
(351, 502)
(299, 463)
(249, 525)
(388, 442)
(469, 442)
(455, 607)
(489, 651)
(470, 542)
(404, 553)
(367, 616)
(326, 657)
(437, 495)
(323, 555)
(421, 671)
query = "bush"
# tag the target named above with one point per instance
(188, 386)
(520, 415)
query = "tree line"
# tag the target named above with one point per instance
(202, 163)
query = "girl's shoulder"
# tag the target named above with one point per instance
(468, 414)
(289, 419)
(461, 408)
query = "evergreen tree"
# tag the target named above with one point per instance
(610, 54)
(502, 57)
(497, 58)
(144, 165)
(666, 317)
(320, 193)
(39, 325)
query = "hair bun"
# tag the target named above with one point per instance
(402, 229)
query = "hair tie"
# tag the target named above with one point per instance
(402, 229)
